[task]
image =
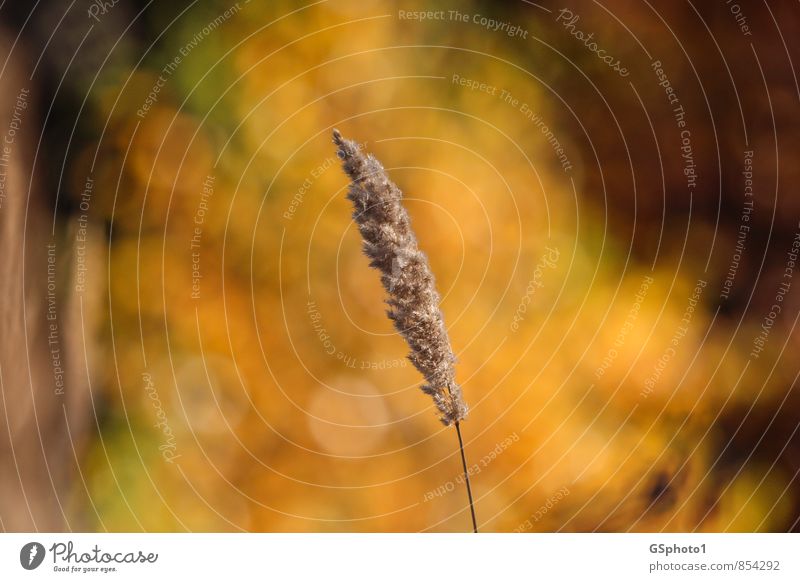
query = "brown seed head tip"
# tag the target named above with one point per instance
(346, 148)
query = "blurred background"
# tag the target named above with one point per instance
(193, 340)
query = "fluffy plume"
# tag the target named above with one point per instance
(413, 300)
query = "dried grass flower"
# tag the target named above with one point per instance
(413, 301)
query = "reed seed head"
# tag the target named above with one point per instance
(413, 301)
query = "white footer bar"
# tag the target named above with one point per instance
(406, 557)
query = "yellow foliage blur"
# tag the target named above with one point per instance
(253, 381)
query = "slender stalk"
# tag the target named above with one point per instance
(466, 478)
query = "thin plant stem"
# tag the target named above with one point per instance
(466, 478)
